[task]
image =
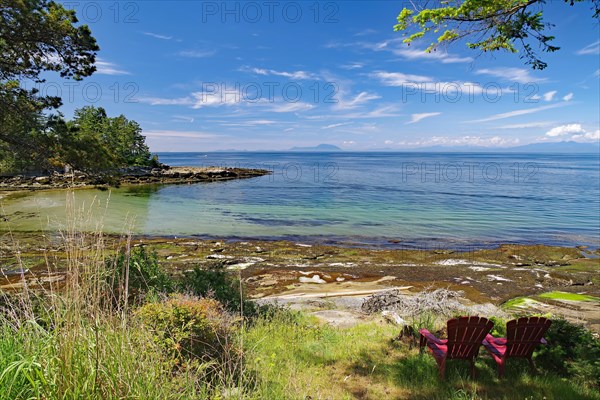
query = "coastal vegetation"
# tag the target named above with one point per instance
(98, 316)
(41, 37)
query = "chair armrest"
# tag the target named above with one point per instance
(430, 337)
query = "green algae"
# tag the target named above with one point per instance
(557, 295)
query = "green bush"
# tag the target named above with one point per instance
(219, 284)
(189, 328)
(499, 329)
(572, 352)
(146, 277)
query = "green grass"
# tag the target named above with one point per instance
(568, 296)
(116, 363)
(295, 357)
(287, 356)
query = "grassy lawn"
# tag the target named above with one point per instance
(298, 358)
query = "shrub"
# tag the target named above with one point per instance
(189, 328)
(145, 274)
(572, 351)
(219, 284)
(499, 329)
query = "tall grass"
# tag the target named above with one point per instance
(78, 340)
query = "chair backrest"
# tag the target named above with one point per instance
(465, 336)
(523, 334)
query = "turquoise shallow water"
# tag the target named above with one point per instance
(420, 199)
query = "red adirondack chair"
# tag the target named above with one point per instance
(522, 336)
(465, 335)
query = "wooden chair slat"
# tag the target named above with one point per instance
(522, 336)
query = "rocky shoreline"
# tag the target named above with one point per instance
(129, 176)
(517, 278)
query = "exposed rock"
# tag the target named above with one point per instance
(498, 278)
(313, 279)
(128, 176)
(393, 318)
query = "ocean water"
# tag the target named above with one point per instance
(409, 200)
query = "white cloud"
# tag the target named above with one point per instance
(520, 75)
(353, 65)
(527, 125)
(183, 118)
(400, 79)
(203, 99)
(564, 130)
(427, 84)
(418, 54)
(349, 142)
(593, 48)
(260, 122)
(336, 125)
(358, 100)
(207, 99)
(587, 137)
(157, 36)
(578, 132)
(419, 117)
(365, 32)
(180, 134)
(299, 75)
(108, 68)
(379, 112)
(548, 96)
(290, 107)
(389, 142)
(397, 47)
(568, 97)
(159, 101)
(197, 53)
(515, 113)
(495, 141)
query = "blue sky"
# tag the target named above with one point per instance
(201, 76)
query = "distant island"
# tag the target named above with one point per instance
(320, 147)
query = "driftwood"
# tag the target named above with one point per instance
(439, 302)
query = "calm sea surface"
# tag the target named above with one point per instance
(419, 199)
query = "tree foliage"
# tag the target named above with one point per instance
(94, 142)
(493, 25)
(38, 36)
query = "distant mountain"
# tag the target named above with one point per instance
(321, 147)
(557, 147)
